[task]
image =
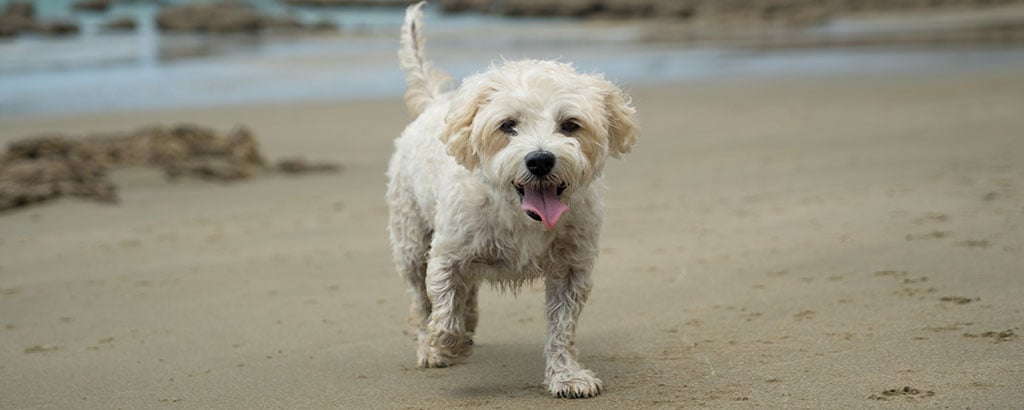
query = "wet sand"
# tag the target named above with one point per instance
(840, 242)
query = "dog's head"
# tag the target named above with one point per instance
(537, 131)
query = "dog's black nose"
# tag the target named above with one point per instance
(540, 163)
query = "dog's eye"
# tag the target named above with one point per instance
(508, 127)
(568, 127)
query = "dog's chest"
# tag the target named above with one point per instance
(503, 258)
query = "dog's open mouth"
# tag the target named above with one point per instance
(541, 201)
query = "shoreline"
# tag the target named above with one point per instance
(326, 79)
(112, 73)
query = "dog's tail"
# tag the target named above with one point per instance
(424, 83)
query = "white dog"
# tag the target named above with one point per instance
(500, 180)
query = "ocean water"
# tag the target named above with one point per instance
(99, 71)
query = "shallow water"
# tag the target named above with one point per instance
(97, 71)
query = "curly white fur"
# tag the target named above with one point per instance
(456, 191)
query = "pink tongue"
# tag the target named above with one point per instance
(544, 202)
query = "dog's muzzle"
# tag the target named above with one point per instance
(540, 194)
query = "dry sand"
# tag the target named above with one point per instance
(779, 243)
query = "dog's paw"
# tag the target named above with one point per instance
(575, 384)
(452, 345)
(432, 360)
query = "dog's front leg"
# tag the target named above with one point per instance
(564, 376)
(448, 288)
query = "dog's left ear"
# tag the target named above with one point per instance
(623, 129)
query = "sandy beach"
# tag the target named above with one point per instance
(848, 241)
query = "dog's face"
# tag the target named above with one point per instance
(537, 131)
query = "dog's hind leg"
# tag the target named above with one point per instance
(470, 313)
(410, 244)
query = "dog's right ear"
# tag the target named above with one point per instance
(458, 128)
